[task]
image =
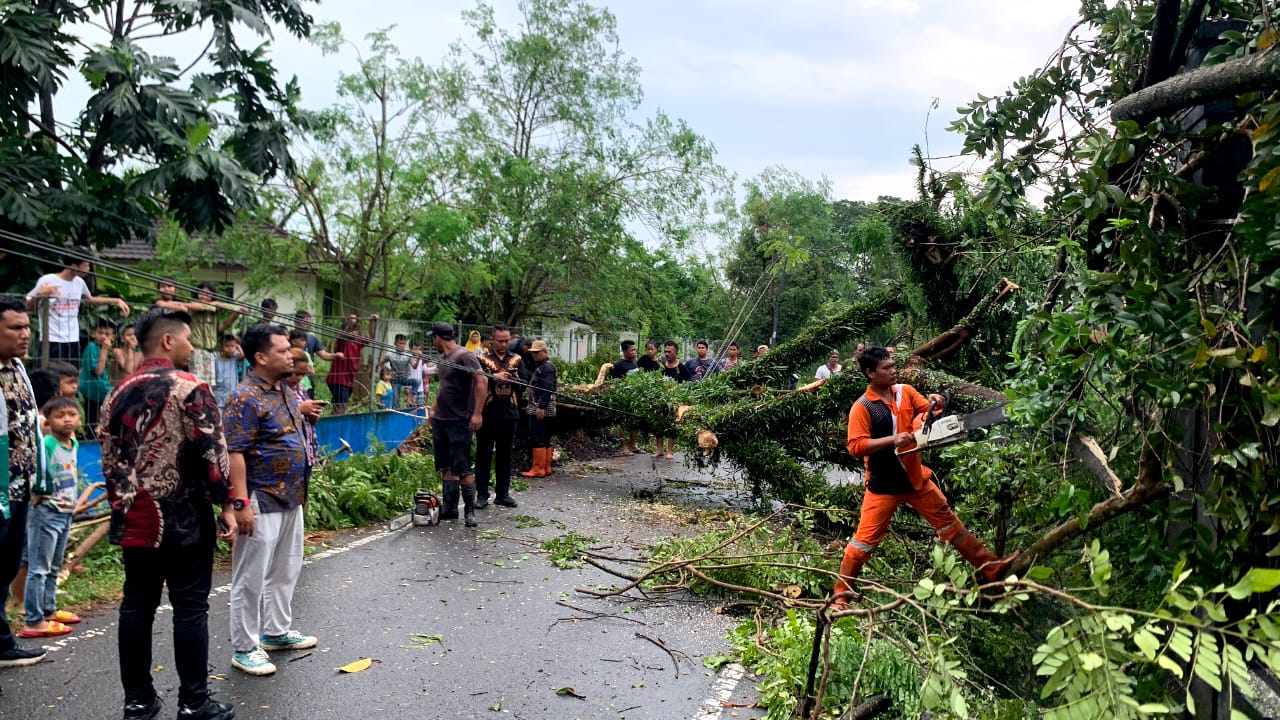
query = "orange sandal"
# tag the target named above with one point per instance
(66, 617)
(53, 629)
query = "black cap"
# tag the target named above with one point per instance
(442, 330)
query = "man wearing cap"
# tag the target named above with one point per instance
(542, 407)
(456, 415)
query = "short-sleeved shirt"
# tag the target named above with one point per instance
(870, 418)
(204, 330)
(313, 345)
(262, 421)
(825, 371)
(700, 368)
(501, 402)
(93, 387)
(679, 373)
(648, 364)
(60, 474)
(20, 407)
(342, 371)
(456, 398)
(400, 362)
(623, 368)
(64, 308)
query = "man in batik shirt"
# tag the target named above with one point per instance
(165, 466)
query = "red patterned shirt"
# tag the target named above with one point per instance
(163, 457)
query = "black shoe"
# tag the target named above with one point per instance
(469, 517)
(18, 656)
(506, 501)
(482, 501)
(143, 711)
(210, 709)
(449, 514)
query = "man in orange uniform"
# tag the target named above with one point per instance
(881, 422)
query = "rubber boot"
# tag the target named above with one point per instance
(971, 549)
(449, 506)
(469, 505)
(850, 567)
(546, 461)
(537, 470)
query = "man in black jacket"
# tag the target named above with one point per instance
(542, 407)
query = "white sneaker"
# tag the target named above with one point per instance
(254, 662)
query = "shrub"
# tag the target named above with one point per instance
(367, 488)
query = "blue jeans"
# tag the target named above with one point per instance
(47, 531)
(413, 383)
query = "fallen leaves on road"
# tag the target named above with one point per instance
(570, 692)
(358, 666)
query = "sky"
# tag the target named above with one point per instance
(834, 88)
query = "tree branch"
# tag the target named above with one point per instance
(1147, 489)
(1197, 87)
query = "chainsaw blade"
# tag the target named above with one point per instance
(985, 418)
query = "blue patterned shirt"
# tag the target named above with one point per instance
(262, 421)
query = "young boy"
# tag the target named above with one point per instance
(309, 408)
(60, 378)
(227, 369)
(400, 364)
(53, 500)
(385, 390)
(95, 383)
(298, 340)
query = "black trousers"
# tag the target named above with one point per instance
(188, 571)
(68, 351)
(494, 448)
(13, 537)
(539, 432)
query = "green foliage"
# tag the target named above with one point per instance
(367, 488)
(565, 551)
(147, 141)
(781, 656)
(585, 370)
(1113, 662)
(769, 556)
(102, 579)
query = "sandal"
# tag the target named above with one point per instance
(53, 629)
(66, 617)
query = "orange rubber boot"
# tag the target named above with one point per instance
(850, 567)
(537, 470)
(971, 549)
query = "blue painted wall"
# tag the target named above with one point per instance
(359, 429)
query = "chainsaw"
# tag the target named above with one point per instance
(948, 430)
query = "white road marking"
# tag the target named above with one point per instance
(726, 683)
(69, 640)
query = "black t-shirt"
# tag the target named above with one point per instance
(622, 368)
(679, 373)
(648, 364)
(456, 399)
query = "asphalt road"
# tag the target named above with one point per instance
(459, 623)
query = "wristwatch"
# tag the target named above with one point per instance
(237, 503)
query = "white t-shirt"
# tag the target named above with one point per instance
(825, 372)
(64, 310)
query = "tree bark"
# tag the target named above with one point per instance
(1199, 86)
